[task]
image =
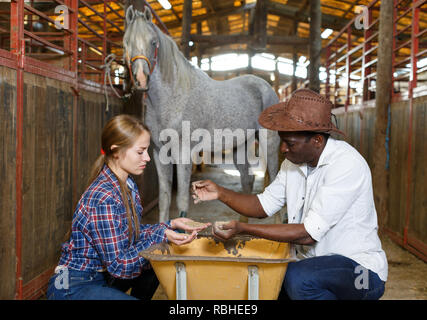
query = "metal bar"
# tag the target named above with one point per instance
(372, 49)
(406, 60)
(419, 34)
(90, 45)
(328, 54)
(403, 45)
(355, 49)
(18, 48)
(357, 60)
(421, 53)
(100, 15)
(47, 43)
(75, 68)
(104, 42)
(90, 28)
(348, 67)
(393, 52)
(115, 11)
(370, 63)
(371, 37)
(253, 283)
(181, 281)
(402, 15)
(402, 30)
(371, 75)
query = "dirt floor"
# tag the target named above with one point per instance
(407, 277)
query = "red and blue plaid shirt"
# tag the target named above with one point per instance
(99, 233)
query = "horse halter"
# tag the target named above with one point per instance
(151, 66)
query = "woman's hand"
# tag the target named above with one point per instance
(204, 190)
(188, 225)
(180, 238)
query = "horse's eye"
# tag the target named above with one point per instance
(154, 43)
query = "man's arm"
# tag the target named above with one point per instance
(294, 233)
(245, 204)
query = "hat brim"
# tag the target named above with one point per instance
(275, 118)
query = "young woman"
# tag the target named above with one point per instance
(100, 260)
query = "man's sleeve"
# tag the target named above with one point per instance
(274, 196)
(341, 187)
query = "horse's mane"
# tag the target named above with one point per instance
(170, 58)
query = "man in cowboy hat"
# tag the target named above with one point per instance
(326, 185)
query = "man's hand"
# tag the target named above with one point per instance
(227, 230)
(204, 190)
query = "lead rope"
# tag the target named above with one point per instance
(107, 75)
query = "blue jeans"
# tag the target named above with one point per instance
(332, 277)
(92, 285)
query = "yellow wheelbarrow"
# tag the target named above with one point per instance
(241, 268)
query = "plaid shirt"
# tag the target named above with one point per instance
(99, 233)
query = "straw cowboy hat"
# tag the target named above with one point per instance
(306, 110)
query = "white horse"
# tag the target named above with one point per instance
(178, 93)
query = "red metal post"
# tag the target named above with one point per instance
(348, 67)
(366, 57)
(336, 75)
(393, 57)
(328, 56)
(18, 49)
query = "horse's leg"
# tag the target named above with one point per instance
(165, 175)
(246, 179)
(183, 174)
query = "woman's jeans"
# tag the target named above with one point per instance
(330, 278)
(70, 284)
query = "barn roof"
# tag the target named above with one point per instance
(228, 25)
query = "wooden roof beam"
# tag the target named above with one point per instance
(219, 40)
(328, 21)
(206, 16)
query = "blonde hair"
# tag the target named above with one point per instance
(121, 131)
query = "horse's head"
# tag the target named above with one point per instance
(141, 46)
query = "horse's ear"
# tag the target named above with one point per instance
(147, 13)
(130, 14)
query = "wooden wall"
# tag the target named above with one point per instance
(359, 125)
(61, 140)
(7, 181)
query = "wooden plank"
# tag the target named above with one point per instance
(7, 185)
(47, 144)
(398, 168)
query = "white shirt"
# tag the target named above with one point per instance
(334, 202)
